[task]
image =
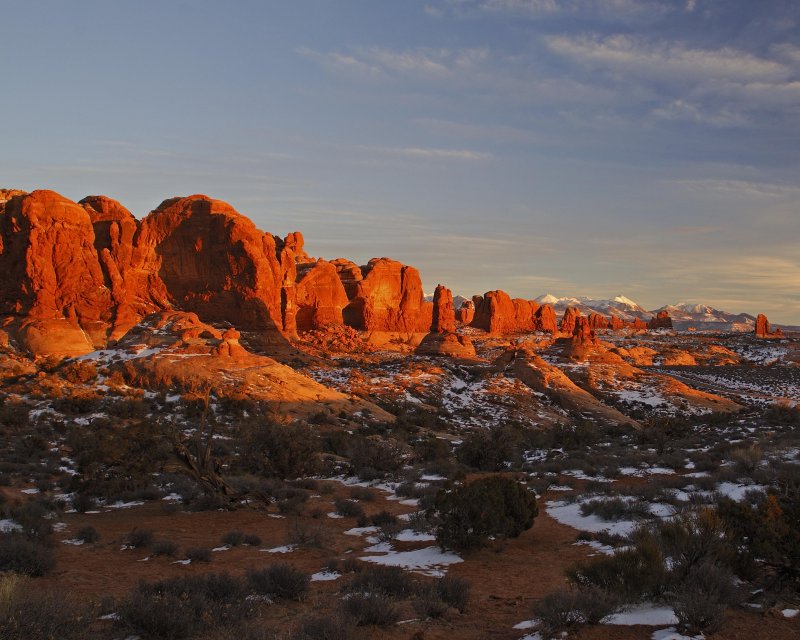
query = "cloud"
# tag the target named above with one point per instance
(665, 60)
(740, 188)
(602, 9)
(425, 62)
(683, 110)
(434, 154)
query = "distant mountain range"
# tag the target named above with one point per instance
(684, 314)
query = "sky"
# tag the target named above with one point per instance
(649, 148)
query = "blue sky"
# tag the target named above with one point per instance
(580, 147)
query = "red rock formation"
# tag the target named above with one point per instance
(638, 324)
(545, 319)
(616, 323)
(53, 289)
(583, 334)
(389, 298)
(320, 296)
(660, 321)
(568, 320)
(350, 275)
(466, 312)
(444, 318)
(763, 330)
(497, 313)
(135, 290)
(598, 321)
(215, 262)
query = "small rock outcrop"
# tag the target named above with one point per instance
(597, 321)
(661, 320)
(568, 320)
(763, 329)
(466, 312)
(442, 339)
(497, 313)
(545, 319)
(583, 333)
(319, 295)
(388, 298)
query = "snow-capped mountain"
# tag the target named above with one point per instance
(621, 306)
(688, 314)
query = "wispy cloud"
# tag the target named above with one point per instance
(740, 188)
(665, 60)
(433, 153)
(430, 63)
(683, 110)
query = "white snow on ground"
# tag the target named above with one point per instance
(409, 535)
(74, 542)
(597, 546)
(645, 613)
(325, 576)
(671, 633)
(570, 515)
(635, 471)
(7, 525)
(642, 396)
(580, 475)
(288, 548)
(790, 613)
(736, 491)
(430, 561)
(526, 624)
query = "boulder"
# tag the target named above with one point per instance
(444, 318)
(545, 319)
(319, 295)
(466, 312)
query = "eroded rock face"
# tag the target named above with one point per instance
(662, 320)
(597, 321)
(215, 262)
(320, 296)
(497, 313)
(389, 298)
(616, 323)
(466, 312)
(583, 333)
(763, 329)
(53, 291)
(568, 320)
(135, 290)
(444, 317)
(545, 319)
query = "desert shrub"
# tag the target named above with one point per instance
(279, 580)
(82, 502)
(20, 554)
(493, 449)
(88, 534)
(33, 614)
(348, 508)
(207, 502)
(198, 554)
(79, 371)
(383, 518)
(558, 612)
(336, 627)
(492, 506)
(140, 538)
(184, 607)
(164, 547)
(365, 494)
(233, 538)
(390, 581)
(33, 517)
(281, 451)
(454, 591)
(305, 534)
(428, 603)
(371, 609)
(373, 458)
(113, 459)
(430, 448)
(633, 573)
(747, 459)
(616, 509)
(251, 540)
(766, 534)
(700, 600)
